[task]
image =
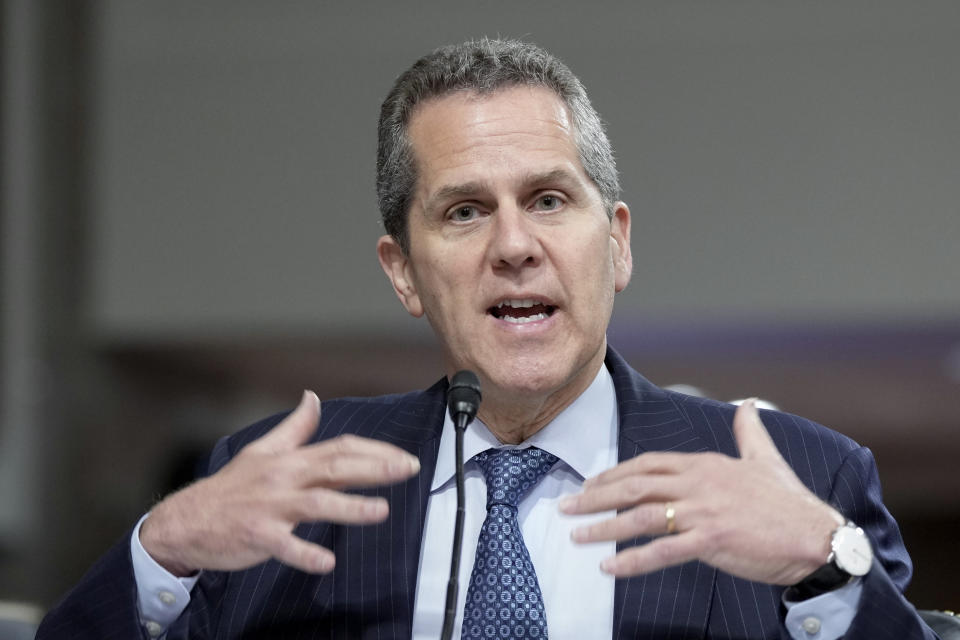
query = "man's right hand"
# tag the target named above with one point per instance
(245, 513)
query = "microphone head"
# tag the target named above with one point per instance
(463, 397)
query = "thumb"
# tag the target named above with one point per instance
(294, 430)
(751, 436)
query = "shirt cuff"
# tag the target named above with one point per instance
(824, 617)
(161, 596)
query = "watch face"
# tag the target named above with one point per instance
(852, 551)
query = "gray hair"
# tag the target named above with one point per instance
(482, 66)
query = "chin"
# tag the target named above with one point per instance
(532, 375)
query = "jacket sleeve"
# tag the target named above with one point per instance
(102, 606)
(883, 613)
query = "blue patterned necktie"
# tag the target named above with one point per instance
(504, 599)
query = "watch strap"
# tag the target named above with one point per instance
(825, 579)
(828, 577)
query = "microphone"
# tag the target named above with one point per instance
(463, 400)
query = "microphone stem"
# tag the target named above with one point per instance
(462, 420)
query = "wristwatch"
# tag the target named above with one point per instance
(850, 557)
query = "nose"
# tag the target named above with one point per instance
(514, 241)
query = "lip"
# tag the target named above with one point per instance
(529, 325)
(539, 297)
(525, 328)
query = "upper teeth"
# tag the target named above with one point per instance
(519, 304)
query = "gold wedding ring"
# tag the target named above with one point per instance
(671, 515)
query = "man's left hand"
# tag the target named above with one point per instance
(748, 516)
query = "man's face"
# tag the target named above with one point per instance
(512, 257)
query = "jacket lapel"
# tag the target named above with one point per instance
(674, 602)
(415, 426)
(375, 584)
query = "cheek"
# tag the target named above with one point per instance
(597, 259)
(594, 275)
(441, 292)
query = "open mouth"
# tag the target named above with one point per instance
(521, 311)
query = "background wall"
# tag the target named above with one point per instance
(189, 224)
(779, 157)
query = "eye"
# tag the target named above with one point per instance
(548, 202)
(465, 213)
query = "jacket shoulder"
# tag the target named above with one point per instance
(393, 417)
(814, 451)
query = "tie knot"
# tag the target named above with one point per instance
(511, 473)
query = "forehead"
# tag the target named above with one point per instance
(517, 128)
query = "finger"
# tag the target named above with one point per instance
(293, 430)
(357, 470)
(351, 445)
(622, 493)
(301, 554)
(751, 436)
(657, 554)
(333, 506)
(654, 462)
(646, 519)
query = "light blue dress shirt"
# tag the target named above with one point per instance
(577, 596)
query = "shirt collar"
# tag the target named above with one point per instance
(582, 435)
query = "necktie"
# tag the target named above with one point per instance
(504, 599)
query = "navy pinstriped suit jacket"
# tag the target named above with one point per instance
(370, 594)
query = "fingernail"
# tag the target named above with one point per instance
(324, 565)
(309, 397)
(568, 504)
(607, 565)
(579, 534)
(405, 466)
(376, 508)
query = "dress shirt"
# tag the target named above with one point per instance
(584, 437)
(161, 596)
(577, 596)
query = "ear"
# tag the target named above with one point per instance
(396, 264)
(620, 246)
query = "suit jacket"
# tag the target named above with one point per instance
(371, 592)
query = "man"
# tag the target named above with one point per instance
(651, 514)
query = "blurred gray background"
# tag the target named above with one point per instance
(189, 219)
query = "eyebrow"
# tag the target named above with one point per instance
(551, 177)
(453, 192)
(528, 180)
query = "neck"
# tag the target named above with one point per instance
(514, 417)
